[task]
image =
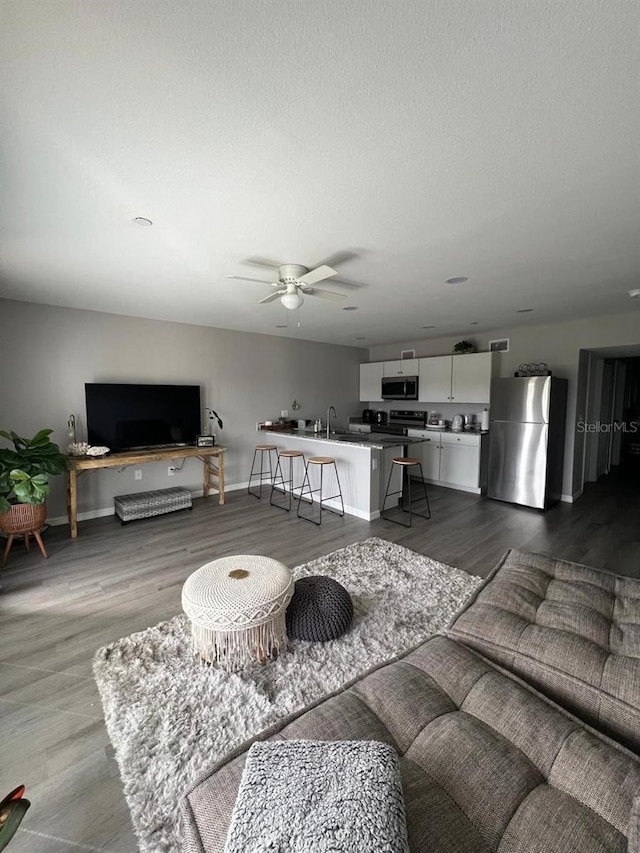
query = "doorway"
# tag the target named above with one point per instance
(611, 387)
(607, 446)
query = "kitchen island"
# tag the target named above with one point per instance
(363, 461)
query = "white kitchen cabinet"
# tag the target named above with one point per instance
(395, 485)
(449, 459)
(429, 454)
(471, 377)
(371, 382)
(403, 367)
(460, 460)
(456, 378)
(434, 384)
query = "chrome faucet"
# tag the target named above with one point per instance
(331, 412)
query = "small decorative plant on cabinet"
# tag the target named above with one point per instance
(463, 347)
(24, 485)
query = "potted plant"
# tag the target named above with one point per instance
(24, 480)
(464, 347)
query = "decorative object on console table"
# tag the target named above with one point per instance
(71, 429)
(213, 414)
(24, 485)
(205, 440)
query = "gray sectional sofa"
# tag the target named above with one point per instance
(489, 761)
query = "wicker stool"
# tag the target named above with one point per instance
(406, 463)
(321, 461)
(281, 487)
(321, 609)
(237, 609)
(262, 474)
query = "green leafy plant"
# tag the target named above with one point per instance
(25, 469)
(464, 346)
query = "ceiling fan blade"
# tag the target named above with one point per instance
(244, 278)
(338, 258)
(318, 274)
(262, 262)
(271, 296)
(347, 282)
(325, 294)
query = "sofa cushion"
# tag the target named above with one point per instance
(486, 761)
(572, 631)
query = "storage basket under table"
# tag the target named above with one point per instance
(237, 609)
(148, 504)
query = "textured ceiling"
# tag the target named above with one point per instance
(497, 140)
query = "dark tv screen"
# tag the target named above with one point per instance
(129, 417)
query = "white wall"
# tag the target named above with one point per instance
(49, 353)
(559, 345)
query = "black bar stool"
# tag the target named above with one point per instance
(263, 473)
(281, 486)
(321, 461)
(406, 463)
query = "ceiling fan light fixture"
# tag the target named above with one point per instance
(291, 301)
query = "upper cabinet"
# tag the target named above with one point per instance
(441, 379)
(471, 377)
(456, 378)
(371, 382)
(434, 384)
(405, 367)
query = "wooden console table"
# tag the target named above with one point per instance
(213, 474)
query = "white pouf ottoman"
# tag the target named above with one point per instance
(237, 609)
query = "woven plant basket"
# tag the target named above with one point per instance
(23, 518)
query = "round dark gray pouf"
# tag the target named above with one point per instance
(320, 610)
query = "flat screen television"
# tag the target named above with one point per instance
(133, 417)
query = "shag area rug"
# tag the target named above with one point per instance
(170, 718)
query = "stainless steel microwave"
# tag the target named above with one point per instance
(400, 388)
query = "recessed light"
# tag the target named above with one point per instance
(457, 279)
(634, 294)
(142, 220)
(475, 323)
(524, 310)
(350, 308)
(428, 327)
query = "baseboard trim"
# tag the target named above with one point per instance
(472, 490)
(197, 493)
(58, 520)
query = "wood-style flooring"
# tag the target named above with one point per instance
(115, 580)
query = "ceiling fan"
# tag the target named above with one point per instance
(294, 280)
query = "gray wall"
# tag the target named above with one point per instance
(558, 344)
(49, 353)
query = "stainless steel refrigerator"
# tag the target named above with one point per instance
(526, 440)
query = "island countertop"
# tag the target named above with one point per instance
(372, 441)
